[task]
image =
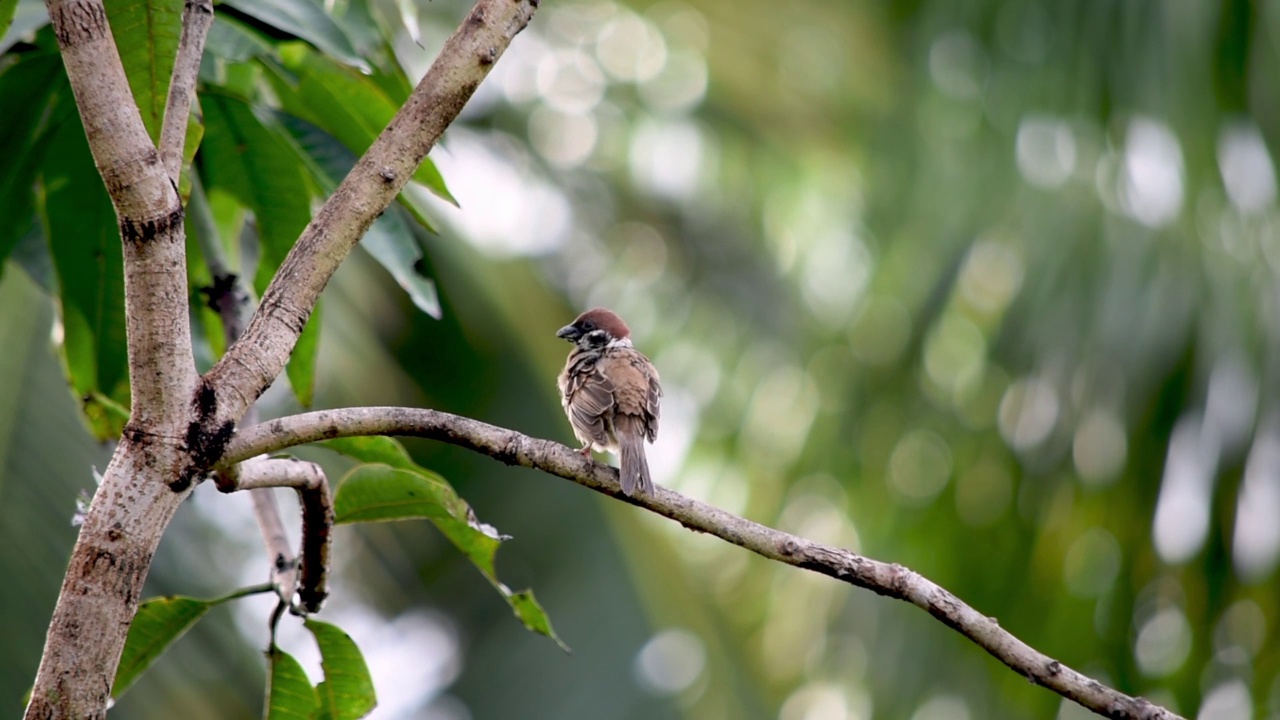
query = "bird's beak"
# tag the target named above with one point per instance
(569, 332)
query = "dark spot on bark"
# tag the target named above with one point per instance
(115, 532)
(489, 56)
(206, 402)
(132, 432)
(182, 482)
(205, 448)
(142, 231)
(205, 7)
(101, 556)
(388, 175)
(477, 17)
(77, 22)
(223, 483)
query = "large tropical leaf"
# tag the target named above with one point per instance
(30, 87)
(391, 486)
(390, 239)
(157, 625)
(347, 691)
(84, 241)
(147, 32)
(304, 19)
(290, 695)
(345, 103)
(246, 154)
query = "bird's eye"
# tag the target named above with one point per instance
(588, 326)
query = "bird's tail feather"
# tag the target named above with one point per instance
(635, 467)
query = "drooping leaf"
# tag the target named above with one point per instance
(232, 40)
(530, 612)
(376, 492)
(147, 32)
(346, 104)
(290, 695)
(7, 10)
(347, 691)
(159, 623)
(307, 20)
(392, 244)
(247, 154)
(301, 369)
(190, 144)
(390, 486)
(389, 239)
(84, 241)
(30, 86)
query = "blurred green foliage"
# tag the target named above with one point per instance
(986, 288)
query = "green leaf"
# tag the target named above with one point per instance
(347, 691)
(7, 10)
(391, 242)
(371, 493)
(530, 612)
(247, 154)
(31, 87)
(289, 692)
(389, 239)
(307, 20)
(157, 625)
(301, 368)
(346, 104)
(147, 32)
(390, 486)
(190, 144)
(232, 40)
(84, 241)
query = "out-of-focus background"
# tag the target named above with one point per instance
(985, 288)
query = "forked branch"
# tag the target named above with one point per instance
(891, 580)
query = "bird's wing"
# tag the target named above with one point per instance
(637, 391)
(588, 398)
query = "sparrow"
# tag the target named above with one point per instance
(611, 393)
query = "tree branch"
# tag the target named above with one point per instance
(258, 476)
(197, 17)
(179, 425)
(161, 366)
(150, 472)
(377, 178)
(890, 580)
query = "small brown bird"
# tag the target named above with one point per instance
(611, 394)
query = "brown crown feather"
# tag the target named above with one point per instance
(606, 320)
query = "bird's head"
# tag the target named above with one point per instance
(595, 329)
